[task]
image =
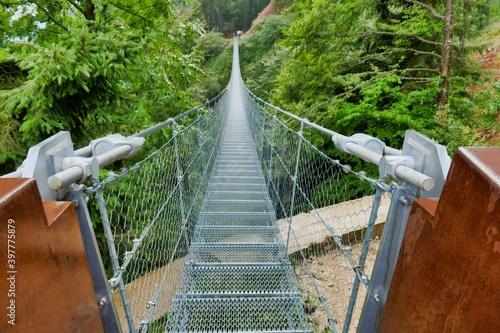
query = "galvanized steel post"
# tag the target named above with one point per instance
(362, 259)
(114, 257)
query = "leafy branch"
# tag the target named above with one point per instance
(128, 10)
(423, 40)
(88, 12)
(429, 9)
(50, 16)
(417, 51)
(382, 74)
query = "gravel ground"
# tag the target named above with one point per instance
(334, 278)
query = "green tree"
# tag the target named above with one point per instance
(261, 56)
(378, 67)
(231, 15)
(95, 67)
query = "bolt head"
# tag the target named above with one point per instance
(404, 199)
(102, 303)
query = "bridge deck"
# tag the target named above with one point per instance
(238, 277)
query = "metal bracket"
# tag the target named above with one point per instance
(389, 164)
(422, 159)
(402, 168)
(44, 160)
(103, 145)
(430, 158)
(363, 140)
(89, 166)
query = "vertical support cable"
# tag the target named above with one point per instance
(362, 259)
(260, 143)
(114, 257)
(179, 185)
(201, 143)
(180, 178)
(271, 143)
(294, 186)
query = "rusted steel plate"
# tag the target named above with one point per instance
(447, 275)
(45, 284)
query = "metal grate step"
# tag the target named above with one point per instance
(238, 154)
(238, 180)
(234, 162)
(236, 187)
(237, 253)
(248, 160)
(226, 234)
(235, 219)
(238, 195)
(266, 314)
(236, 206)
(240, 280)
(236, 172)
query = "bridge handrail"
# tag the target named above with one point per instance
(83, 164)
(387, 150)
(86, 151)
(390, 161)
(126, 148)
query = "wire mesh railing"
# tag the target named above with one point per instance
(326, 219)
(327, 214)
(148, 213)
(238, 223)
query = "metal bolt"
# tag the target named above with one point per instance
(102, 303)
(404, 200)
(376, 298)
(77, 187)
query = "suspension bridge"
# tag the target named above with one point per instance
(237, 223)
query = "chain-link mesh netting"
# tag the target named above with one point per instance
(239, 277)
(239, 224)
(323, 210)
(148, 215)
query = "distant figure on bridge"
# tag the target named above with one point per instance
(239, 33)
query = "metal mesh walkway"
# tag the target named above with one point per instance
(238, 277)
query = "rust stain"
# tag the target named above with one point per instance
(53, 287)
(54, 209)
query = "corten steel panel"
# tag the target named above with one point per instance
(50, 278)
(447, 275)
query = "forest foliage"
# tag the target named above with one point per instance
(228, 16)
(95, 67)
(378, 67)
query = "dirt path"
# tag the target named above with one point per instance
(345, 218)
(141, 291)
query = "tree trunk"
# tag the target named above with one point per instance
(446, 56)
(89, 10)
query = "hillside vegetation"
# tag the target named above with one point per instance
(380, 67)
